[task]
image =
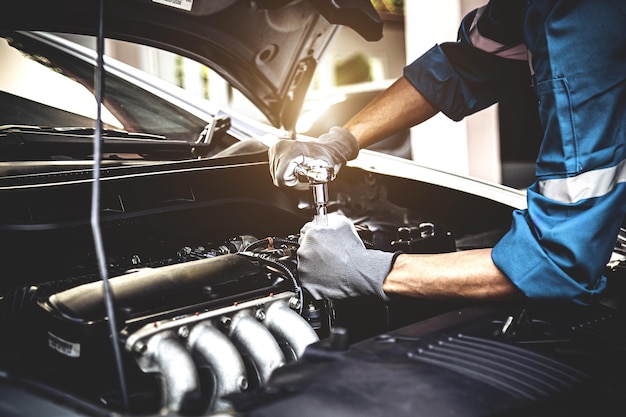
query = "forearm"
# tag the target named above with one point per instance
(395, 109)
(466, 274)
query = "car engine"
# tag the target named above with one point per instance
(212, 318)
(217, 322)
(197, 328)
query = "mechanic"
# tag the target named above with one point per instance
(575, 55)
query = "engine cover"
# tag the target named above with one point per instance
(489, 360)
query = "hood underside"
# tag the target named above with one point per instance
(267, 49)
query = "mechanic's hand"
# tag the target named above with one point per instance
(334, 263)
(334, 148)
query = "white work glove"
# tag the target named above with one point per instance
(334, 263)
(333, 148)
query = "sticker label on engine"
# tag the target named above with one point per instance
(179, 4)
(63, 346)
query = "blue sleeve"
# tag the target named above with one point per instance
(559, 247)
(459, 79)
(558, 251)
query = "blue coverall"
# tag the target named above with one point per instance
(574, 53)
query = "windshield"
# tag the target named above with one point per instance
(45, 87)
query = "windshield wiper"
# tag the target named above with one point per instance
(77, 130)
(34, 142)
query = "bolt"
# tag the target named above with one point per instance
(183, 332)
(140, 348)
(260, 314)
(243, 383)
(225, 322)
(294, 303)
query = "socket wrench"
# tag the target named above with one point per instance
(318, 175)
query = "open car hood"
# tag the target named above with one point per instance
(267, 49)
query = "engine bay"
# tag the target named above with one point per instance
(212, 317)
